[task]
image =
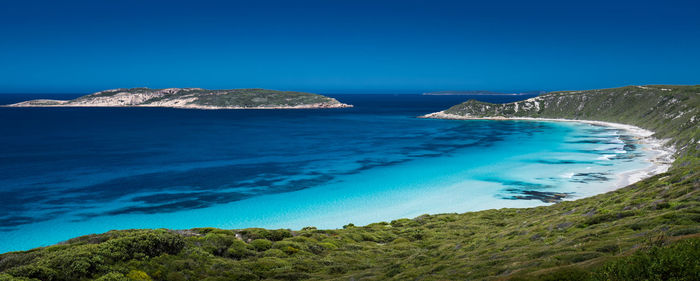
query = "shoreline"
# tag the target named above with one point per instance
(660, 155)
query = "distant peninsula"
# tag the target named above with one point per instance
(479, 93)
(193, 98)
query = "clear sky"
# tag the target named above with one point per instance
(347, 46)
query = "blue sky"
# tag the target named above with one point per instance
(347, 46)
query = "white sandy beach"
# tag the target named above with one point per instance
(660, 157)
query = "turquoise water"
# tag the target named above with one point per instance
(66, 172)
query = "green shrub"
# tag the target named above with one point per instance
(11, 260)
(400, 240)
(577, 257)
(255, 233)
(274, 253)
(7, 277)
(611, 248)
(328, 246)
(279, 234)
(113, 276)
(239, 250)
(268, 266)
(175, 276)
(686, 231)
(676, 262)
(261, 244)
(217, 244)
(35, 271)
(137, 275)
(563, 274)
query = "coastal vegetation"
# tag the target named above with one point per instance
(670, 111)
(194, 98)
(649, 230)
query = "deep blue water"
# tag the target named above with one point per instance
(75, 171)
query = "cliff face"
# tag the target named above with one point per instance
(670, 111)
(194, 98)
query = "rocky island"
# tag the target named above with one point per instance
(193, 98)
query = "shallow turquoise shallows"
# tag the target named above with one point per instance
(66, 172)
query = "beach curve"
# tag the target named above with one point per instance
(660, 157)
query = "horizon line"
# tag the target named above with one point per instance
(363, 91)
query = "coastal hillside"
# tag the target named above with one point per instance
(649, 230)
(669, 111)
(195, 98)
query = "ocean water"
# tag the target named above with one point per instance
(66, 172)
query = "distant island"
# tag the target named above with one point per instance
(193, 98)
(480, 93)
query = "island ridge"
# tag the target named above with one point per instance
(194, 98)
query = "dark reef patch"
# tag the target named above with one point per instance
(366, 164)
(589, 177)
(547, 197)
(560, 162)
(520, 185)
(175, 189)
(520, 190)
(183, 202)
(593, 141)
(9, 221)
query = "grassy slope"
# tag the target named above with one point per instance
(587, 239)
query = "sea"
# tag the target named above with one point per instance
(67, 172)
